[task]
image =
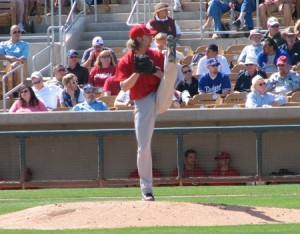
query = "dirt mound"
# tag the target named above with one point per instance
(119, 214)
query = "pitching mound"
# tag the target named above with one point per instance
(118, 214)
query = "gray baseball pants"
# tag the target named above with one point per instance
(145, 113)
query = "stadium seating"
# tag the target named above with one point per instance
(7, 12)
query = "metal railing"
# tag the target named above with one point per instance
(180, 132)
(5, 94)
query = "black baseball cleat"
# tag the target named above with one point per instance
(171, 51)
(148, 197)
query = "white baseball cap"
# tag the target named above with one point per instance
(272, 21)
(251, 60)
(97, 41)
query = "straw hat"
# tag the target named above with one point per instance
(160, 7)
(288, 31)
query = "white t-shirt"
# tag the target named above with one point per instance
(223, 67)
(49, 95)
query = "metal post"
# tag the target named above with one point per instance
(100, 158)
(179, 156)
(22, 159)
(257, 14)
(201, 30)
(259, 154)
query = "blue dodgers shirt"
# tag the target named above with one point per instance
(93, 106)
(20, 49)
(217, 85)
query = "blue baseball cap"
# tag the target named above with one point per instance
(88, 87)
(212, 62)
(72, 52)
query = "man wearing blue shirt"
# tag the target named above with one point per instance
(15, 51)
(90, 103)
(214, 81)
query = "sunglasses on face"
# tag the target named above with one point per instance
(249, 65)
(74, 82)
(262, 84)
(74, 56)
(215, 65)
(98, 46)
(187, 71)
(89, 92)
(61, 70)
(37, 82)
(16, 32)
(275, 26)
(280, 65)
(24, 91)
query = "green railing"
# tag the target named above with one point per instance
(100, 137)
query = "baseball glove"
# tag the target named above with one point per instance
(143, 64)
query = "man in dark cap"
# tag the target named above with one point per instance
(162, 22)
(212, 52)
(74, 67)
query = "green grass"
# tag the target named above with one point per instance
(282, 196)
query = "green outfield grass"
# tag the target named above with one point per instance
(281, 196)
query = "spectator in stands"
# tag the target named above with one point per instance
(111, 87)
(90, 55)
(214, 12)
(27, 102)
(254, 49)
(123, 99)
(20, 14)
(212, 52)
(162, 22)
(245, 17)
(160, 41)
(90, 103)
(48, 94)
(273, 31)
(292, 45)
(270, 6)
(74, 67)
(188, 87)
(268, 57)
(178, 5)
(104, 68)
(58, 73)
(214, 81)
(190, 167)
(297, 28)
(15, 51)
(243, 81)
(223, 168)
(259, 97)
(72, 94)
(284, 81)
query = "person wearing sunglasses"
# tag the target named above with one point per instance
(273, 31)
(103, 69)
(292, 45)
(58, 73)
(90, 55)
(188, 87)
(16, 51)
(90, 103)
(259, 97)
(48, 94)
(285, 80)
(27, 102)
(244, 78)
(214, 81)
(268, 57)
(74, 67)
(287, 7)
(72, 94)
